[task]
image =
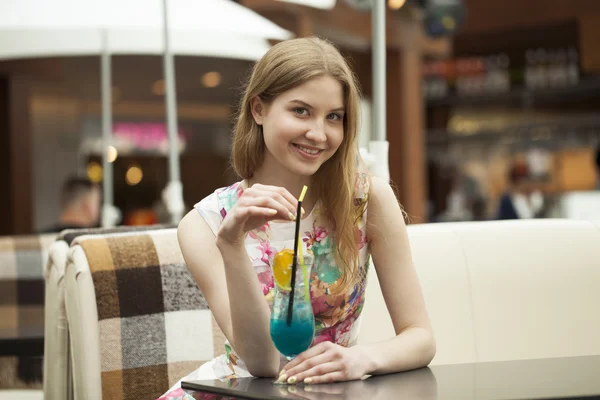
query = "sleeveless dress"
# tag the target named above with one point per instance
(336, 312)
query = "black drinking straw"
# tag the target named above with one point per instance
(295, 258)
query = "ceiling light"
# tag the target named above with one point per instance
(211, 79)
(396, 4)
(94, 172)
(111, 154)
(134, 175)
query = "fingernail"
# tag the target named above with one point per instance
(292, 380)
(272, 212)
(308, 381)
(302, 209)
(282, 377)
(282, 372)
(292, 216)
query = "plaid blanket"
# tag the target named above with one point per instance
(22, 260)
(56, 361)
(155, 325)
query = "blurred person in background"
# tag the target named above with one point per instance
(466, 200)
(80, 201)
(522, 199)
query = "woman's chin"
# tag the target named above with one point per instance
(306, 170)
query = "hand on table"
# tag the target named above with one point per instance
(325, 363)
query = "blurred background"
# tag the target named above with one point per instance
(492, 112)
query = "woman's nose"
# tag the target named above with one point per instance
(317, 133)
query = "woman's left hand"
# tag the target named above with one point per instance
(324, 363)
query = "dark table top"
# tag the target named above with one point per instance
(569, 377)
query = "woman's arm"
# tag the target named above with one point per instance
(221, 286)
(414, 344)
(223, 271)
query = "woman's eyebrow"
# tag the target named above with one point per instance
(305, 104)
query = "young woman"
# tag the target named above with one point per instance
(297, 125)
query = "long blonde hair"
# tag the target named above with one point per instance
(286, 65)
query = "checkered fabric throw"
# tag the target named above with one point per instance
(155, 325)
(58, 364)
(22, 261)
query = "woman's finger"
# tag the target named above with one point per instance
(290, 204)
(311, 352)
(317, 370)
(336, 376)
(308, 364)
(256, 211)
(279, 190)
(267, 202)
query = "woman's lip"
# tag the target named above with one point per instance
(307, 147)
(307, 155)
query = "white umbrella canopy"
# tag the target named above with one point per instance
(211, 28)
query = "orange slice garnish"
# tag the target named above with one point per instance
(282, 269)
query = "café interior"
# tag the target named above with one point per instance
(467, 106)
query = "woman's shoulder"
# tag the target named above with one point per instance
(221, 197)
(381, 193)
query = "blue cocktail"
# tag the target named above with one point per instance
(292, 335)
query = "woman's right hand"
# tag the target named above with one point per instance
(256, 206)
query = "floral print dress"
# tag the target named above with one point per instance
(336, 312)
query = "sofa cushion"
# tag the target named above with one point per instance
(534, 287)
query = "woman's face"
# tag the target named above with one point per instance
(302, 127)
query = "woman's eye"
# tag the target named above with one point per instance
(301, 111)
(334, 116)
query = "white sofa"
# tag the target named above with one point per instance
(56, 344)
(494, 291)
(503, 290)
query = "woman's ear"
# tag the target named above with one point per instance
(258, 110)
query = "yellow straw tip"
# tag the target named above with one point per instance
(304, 189)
